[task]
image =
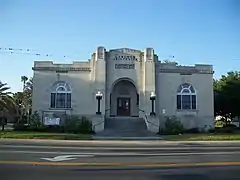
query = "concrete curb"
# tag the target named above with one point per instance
(116, 142)
(104, 138)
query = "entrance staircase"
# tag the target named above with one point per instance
(125, 128)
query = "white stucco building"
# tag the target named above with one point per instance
(126, 78)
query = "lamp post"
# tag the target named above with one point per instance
(152, 98)
(99, 96)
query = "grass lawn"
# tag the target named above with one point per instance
(40, 135)
(202, 137)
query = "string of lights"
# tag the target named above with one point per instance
(27, 51)
(31, 52)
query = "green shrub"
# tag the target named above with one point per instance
(172, 126)
(52, 128)
(75, 124)
(20, 127)
(212, 130)
(226, 129)
(3, 121)
(230, 125)
(85, 126)
(192, 131)
(35, 121)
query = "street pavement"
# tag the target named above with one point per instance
(152, 160)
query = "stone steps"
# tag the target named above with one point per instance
(125, 127)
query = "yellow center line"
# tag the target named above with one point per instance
(115, 164)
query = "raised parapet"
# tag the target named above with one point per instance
(93, 56)
(43, 63)
(167, 65)
(148, 54)
(100, 53)
(174, 68)
(204, 67)
(50, 66)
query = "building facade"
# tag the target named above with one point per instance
(126, 78)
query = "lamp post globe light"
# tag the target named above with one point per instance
(152, 98)
(99, 96)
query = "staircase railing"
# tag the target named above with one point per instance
(105, 115)
(146, 118)
(95, 125)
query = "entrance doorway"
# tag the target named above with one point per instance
(124, 100)
(123, 106)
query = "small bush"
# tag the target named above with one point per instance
(192, 131)
(225, 130)
(35, 121)
(211, 130)
(3, 121)
(172, 126)
(20, 127)
(75, 124)
(230, 125)
(52, 128)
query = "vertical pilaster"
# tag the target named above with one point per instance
(100, 74)
(92, 65)
(149, 78)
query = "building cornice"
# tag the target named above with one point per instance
(185, 71)
(62, 69)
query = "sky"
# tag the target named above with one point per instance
(193, 31)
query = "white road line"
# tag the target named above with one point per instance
(117, 148)
(122, 154)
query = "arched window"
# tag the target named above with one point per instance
(186, 97)
(61, 95)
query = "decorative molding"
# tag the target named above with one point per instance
(187, 112)
(185, 71)
(126, 50)
(60, 69)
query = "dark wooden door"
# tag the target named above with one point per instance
(123, 106)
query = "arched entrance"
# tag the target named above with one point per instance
(124, 99)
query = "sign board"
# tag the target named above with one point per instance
(125, 57)
(51, 121)
(53, 118)
(124, 66)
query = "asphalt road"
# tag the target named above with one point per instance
(60, 160)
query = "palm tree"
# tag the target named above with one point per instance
(5, 97)
(24, 80)
(6, 101)
(29, 84)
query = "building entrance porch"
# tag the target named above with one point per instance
(124, 99)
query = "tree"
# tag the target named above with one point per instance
(24, 99)
(227, 96)
(24, 80)
(28, 92)
(29, 84)
(6, 103)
